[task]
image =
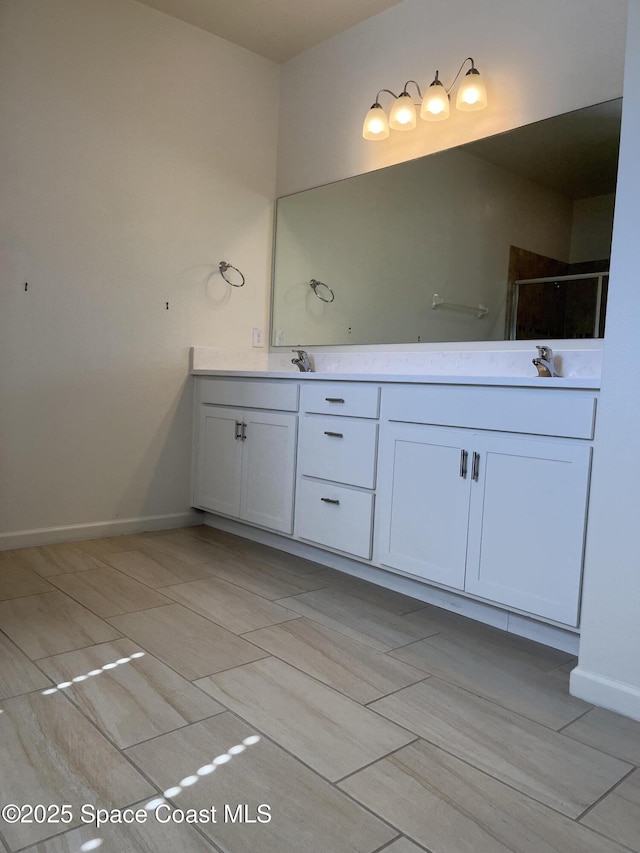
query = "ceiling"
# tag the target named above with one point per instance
(575, 154)
(275, 29)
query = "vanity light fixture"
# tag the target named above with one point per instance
(434, 106)
(403, 111)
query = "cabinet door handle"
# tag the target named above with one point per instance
(330, 501)
(463, 463)
(475, 469)
(334, 399)
(238, 430)
(334, 434)
(243, 434)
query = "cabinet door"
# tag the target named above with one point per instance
(527, 525)
(423, 508)
(268, 469)
(218, 461)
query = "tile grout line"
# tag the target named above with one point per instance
(153, 655)
(374, 761)
(561, 730)
(66, 571)
(173, 602)
(315, 772)
(319, 681)
(312, 770)
(363, 642)
(631, 771)
(523, 794)
(210, 619)
(490, 775)
(608, 838)
(397, 690)
(325, 779)
(494, 701)
(387, 845)
(111, 615)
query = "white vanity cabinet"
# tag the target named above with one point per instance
(476, 488)
(244, 458)
(337, 453)
(497, 514)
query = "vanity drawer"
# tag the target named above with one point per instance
(335, 516)
(569, 414)
(339, 449)
(358, 399)
(250, 394)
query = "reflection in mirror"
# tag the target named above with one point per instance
(412, 251)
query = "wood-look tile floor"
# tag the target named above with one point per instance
(225, 696)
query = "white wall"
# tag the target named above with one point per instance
(592, 228)
(609, 666)
(539, 59)
(130, 168)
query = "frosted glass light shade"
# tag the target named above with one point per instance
(403, 113)
(435, 104)
(376, 124)
(472, 94)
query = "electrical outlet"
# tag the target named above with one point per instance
(279, 337)
(258, 337)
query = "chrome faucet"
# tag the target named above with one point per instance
(302, 361)
(544, 362)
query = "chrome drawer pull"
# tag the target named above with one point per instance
(475, 469)
(334, 434)
(330, 501)
(238, 429)
(463, 463)
(334, 399)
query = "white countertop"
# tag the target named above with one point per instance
(580, 367)
(416, 379)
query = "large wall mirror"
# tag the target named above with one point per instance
(506, 237)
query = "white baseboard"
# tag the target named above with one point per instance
(606, 692)
(540, 632)
(96, 530)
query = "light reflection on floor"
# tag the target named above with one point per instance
(187, 782)
(174, 790)
(205, 770)
(78, 678)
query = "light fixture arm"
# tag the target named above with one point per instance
(404, 91)
(393, 94)
(472, 70)
(388, 91)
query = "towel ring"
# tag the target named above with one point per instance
(223, 266)
(314, 285)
